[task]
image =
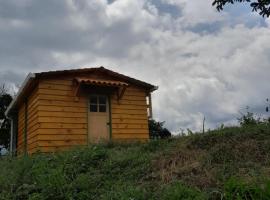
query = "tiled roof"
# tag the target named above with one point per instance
(100, 82)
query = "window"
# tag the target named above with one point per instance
(93, 108)
(93, 100)
(93, 104)
(98, 104)
(102, 100)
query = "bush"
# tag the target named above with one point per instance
(251, 119)
(248, 119)
(157, 131)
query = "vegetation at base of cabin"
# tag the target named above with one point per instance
(227, 163)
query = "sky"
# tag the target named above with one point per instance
(206, 63)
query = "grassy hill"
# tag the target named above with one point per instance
(229, 163)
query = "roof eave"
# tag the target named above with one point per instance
(153, 88)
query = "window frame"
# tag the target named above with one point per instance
(98, 104)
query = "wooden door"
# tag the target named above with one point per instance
(98, 120)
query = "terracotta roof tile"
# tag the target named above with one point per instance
(100, 82)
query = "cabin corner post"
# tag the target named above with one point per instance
(11, 147)
(25, 125)
(150, 106)
(87, 122)
(110, 116)
(13, 134)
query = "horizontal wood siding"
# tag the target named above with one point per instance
(129, 115)
(21, 123)
(57, 119)
(32, 124)
(62, 116)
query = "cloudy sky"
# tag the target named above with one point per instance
(205, 63)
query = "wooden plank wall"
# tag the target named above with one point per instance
(129, 115)
(57, 120)
(21, 123)
(32, 124)
(62, 118)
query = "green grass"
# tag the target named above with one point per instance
(229, 163)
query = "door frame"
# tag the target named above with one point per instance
(110, 114)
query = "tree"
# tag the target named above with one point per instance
(5, 100)
(260, 6)
(157, 130)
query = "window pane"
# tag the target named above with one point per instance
(102, 100)
(102, 108)
(93, 100)
(93, 108)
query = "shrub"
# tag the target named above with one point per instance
(248, 119)
(157, 131)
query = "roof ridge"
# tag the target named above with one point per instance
(116, 74)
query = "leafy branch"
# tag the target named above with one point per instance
(260, 6)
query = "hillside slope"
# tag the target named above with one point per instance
(230, 163)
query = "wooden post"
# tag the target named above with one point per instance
(203, 123)
(150, 106)
(110, 115)
(25, 125)
(13, 134)
(11, 147)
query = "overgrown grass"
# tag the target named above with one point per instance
(229, 163)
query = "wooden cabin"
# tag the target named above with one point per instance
(57, 110)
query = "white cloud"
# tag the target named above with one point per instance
(200, 72)
(199, 11)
